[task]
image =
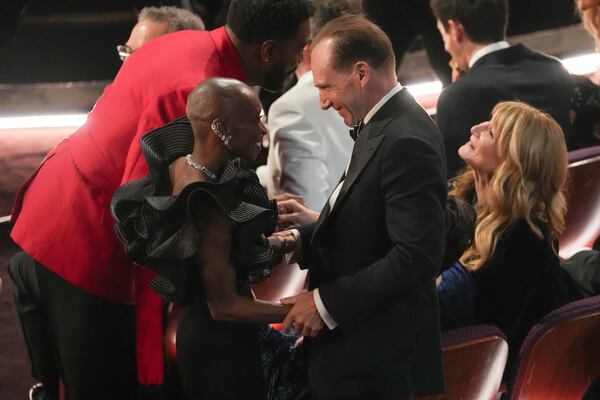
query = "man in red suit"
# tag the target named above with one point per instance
(74, 287)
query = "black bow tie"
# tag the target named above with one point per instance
(355, 129)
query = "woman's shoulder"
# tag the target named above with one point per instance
(521, 248)
(521, 233)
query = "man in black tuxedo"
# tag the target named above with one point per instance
(474, 33)
(376, 248)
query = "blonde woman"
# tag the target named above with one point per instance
(517, 167)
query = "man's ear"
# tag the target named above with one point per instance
(266, 50)
(306, 52)
(363, 71)
(456, 30)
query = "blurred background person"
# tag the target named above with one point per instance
(586, 98)
(474, 33)
(156, 21)
(309, 148)
(406, 20)
(590, 17)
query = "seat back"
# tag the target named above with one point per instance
(285, 280)
(474, 361)
(583, 200)
(560, 357)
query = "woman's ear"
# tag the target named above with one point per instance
(218, 127)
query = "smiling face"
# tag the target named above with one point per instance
(246, 126)
(481, 151)
(340, 90)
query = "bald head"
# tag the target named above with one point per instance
(226, 113)
(217, 98)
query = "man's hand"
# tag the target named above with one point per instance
(288, 196)
(304, 315)
(293, 213)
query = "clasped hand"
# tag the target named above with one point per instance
(303, 317)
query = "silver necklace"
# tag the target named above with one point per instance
(200, 167)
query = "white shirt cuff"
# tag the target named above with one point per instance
(296, 255)
(329, 321)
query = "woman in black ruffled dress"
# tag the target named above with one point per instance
(197, 220)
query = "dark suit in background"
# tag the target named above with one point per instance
(374, 257)
(515, 73)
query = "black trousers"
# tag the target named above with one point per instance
(72, 335)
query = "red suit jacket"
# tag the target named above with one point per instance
(61, 214)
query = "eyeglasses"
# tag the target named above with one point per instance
(124, 51)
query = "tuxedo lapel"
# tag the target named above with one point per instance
(364, 149)
(366, 145)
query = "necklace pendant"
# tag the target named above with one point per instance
(200, 167)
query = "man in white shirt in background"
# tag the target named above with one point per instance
(309, 148)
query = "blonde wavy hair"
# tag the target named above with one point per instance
(590, 19)
(527, 184)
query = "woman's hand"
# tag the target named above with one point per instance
(282, 242)
(293, 213)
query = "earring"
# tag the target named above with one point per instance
(266, 60)
(219, 129)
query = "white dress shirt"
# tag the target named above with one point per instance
(485, 50)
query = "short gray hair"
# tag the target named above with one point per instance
(177, 19)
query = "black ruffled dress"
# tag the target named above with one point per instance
(217, 360)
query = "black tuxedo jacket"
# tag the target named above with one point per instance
(515, 73)
(374, 258)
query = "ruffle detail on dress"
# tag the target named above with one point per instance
(158, 231)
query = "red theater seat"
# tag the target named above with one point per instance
(560, 357)
(583, 203)
(285, 280)
(474, 360)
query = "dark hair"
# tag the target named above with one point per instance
(460, 229)
(356, 39)
(255, 21)
(484, 20)
(324, 11)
